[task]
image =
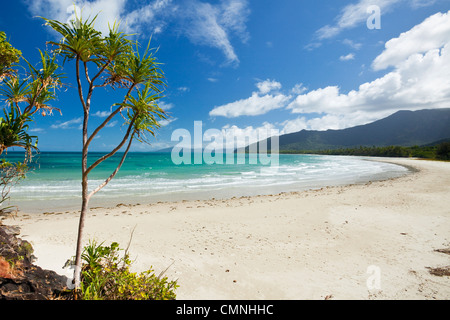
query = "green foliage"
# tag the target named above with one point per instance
(112, 61)
(105, 275)
(8, 57)
(24, 97)
(13, 131)
(118, 64)
(440, 152)
(443, 151)
(10, 175)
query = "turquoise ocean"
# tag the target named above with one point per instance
(54, 181)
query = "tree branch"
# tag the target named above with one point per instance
(112, 115)
(87, 73)
(80, 90)
(101, 71)
(113, 152)
(115, 171)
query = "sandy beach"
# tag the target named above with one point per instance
(370, 241)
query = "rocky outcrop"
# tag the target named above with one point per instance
(20, 279)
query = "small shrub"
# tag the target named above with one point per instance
(105, 275)
(443, 151)
(10, 175)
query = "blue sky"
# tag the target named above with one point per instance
(286, 65)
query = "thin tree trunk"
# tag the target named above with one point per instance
(84, 211)
(84, 181)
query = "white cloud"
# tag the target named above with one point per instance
(234, 14)
(112, 124)
(268, 86)
(420, 82)
(352, 15)
(350, 56)
(208, 24)
(299, 89)
(184, 89)
(432, 33)
(420, 79)
(165, 106)
(422, 3)
(295, 125)
(36, 130)
(152, 16)
(356, 14)
(232, 136)
(352, 44)
(253, 106)
(259, 103)
(67, 124)
(166, 122)
(65, 10)
(203, 23)
(102, 114)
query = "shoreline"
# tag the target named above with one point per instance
(293, 245)
(226, 193)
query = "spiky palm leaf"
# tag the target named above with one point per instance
(13, 131)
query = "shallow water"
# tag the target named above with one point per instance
(54, 183)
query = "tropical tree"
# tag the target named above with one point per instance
(23, 96)
(8, 57)
(112, 61)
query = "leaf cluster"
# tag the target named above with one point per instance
(10, 175)
(118, 63)
(106, 275)
(8, 57)
(25, 94)
(14, 131)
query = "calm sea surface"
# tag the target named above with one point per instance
(54, 181)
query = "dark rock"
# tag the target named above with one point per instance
(20, 279)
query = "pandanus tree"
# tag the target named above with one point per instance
(26, 97)
(22, 96)
(109, 61)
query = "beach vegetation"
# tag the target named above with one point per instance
(438, 151)
(9, 56)
(106, 275)
(105, 62)
(23, 95)
(443, 151)
(10, 175)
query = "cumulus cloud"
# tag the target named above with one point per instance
(433, 33)
(165, 105)
(232, 136)
(253, 106)
(418, 82)
(259, 103)
(350, 56)
(419, 79)
(66, 10)
(268, 86)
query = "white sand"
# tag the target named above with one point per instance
(372, 241)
